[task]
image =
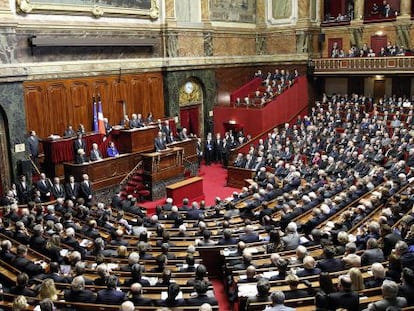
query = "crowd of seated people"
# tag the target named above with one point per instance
(342, 151)
(327, 164)
(365, 51)
(273, 84)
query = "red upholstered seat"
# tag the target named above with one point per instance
(142, 194)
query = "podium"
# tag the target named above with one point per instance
(162, 168)
(137, 140)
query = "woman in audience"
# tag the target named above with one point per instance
(20, 303)
(275, 244)
(357, 279)
(48, 290)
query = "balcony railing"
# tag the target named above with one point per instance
(375, 65)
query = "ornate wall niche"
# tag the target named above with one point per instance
(282, 12)
(139, 8)
(240, 11)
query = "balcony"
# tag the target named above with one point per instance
(363, 65)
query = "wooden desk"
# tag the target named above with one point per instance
(104, 173)
(236, 176)
(137, 140)
(189, 146)
(61, 150)
(163, 165)
(191, 188)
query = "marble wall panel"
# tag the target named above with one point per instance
(191, 45)
(281, 43)
(11, 104)
(234, 45)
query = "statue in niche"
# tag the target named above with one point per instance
(281, 9)
(172, 44)
(302, 42)
(260, 45)
(403, 36)
(208, 44)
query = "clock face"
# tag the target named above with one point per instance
(189, 87)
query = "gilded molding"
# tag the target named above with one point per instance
(54, 7)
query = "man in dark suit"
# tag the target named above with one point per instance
(111, 295)
(79, 143)
(96, 155)
(58, 190)
(209, 149)
(227, 238)
(78, 293)
(194, 213)
(72, 189)
(54, 274)
(345, 298)
(23, 190)
(249, 235)
(135, 295)
(225, 151)
(33, 146)
(25, 265)
(201, 288)
(81, 157)
(166, 128)
(44, 185)
(372, 254)
(85, 188)
(69, 132)
(330, 263)
(159, 143)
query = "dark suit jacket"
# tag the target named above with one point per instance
(372, 255)
(159, 144)
(110, 296)
(94, 156)
(25, 265)
(166, 303)
(85, 190)
(33, 145)
(331, 265)
(58, 192)
(44, 187)
(346, 300)
(140, 301)
(23, 193)
(72, 194)
(199, 300)
(79, 145)
(80, 296)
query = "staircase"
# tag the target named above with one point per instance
(134, 184)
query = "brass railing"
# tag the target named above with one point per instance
(375, 65)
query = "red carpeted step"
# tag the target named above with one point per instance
(137, 178)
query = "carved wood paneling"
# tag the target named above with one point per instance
(52, 105)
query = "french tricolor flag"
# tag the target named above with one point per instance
(101, 126)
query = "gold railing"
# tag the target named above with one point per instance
(375, 65)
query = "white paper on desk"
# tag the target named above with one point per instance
(85, 243)
(251, 250)
(64, 252)
(269, 274)
(303, 240)
(246, 290)
(164, 295)
(113, 266)
(243, 277)
(185, 266)
(152, 280)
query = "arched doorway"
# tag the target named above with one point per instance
(191, 107)
(5, 181)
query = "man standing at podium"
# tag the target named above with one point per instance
(79, 143)
(159, 143)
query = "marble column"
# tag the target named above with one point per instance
(405, 8)
(170, 18)
(358, 10)
(205, 14)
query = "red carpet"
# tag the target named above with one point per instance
(220, 294)
(214, 185)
